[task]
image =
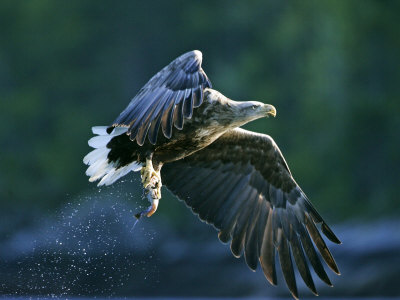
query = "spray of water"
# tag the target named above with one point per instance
(89, 248)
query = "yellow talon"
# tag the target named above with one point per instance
(151, 180)
(150, 177)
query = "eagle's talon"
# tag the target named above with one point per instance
(150, 177)
(151, 181)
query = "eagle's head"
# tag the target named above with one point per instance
(234, 113)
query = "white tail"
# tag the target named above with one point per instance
(97, 160)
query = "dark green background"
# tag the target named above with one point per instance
(331, 68)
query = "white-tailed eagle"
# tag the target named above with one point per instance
(178, 128)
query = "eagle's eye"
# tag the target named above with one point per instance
(254, 107)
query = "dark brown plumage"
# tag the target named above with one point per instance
(234, 179)
(253, 202)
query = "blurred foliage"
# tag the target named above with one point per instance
(330, 67)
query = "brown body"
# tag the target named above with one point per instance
(203, 128)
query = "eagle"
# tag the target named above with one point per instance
(178, 129)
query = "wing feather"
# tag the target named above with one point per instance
(301, 263)
(252, 251)
(313, 257)
(241, 225)
(242, 185)
(166, 99)
(167, 117)
(227, 216)
(178, 115)
(267, 257)
(286, 263)
(319, 242)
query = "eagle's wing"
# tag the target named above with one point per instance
(242, 185)
(166, 99)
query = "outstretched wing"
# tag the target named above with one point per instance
(242, 185)
(166, 99)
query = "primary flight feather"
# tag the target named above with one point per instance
(178, 128)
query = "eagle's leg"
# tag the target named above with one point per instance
(151, 180)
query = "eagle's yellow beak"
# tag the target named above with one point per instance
(270, 110)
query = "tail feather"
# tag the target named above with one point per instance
(99, 141)
(115, 174)
(99, 166)
(95, 155)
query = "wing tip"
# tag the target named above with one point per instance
(269, 271)
(193, 54)
(329, 234)
(315, 292)
(198, 54)
(335, 268)
(272, 280)
(295, 295)
(224, 237)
